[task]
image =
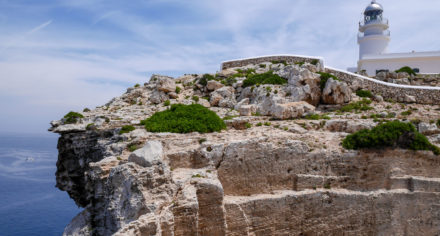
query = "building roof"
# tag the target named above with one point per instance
(373, 6)
(401, 55)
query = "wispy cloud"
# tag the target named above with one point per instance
(40, 27)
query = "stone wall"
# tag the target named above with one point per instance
(395, 92)
(257, 60)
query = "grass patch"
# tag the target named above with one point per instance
(317, 117)
(126, 129)
(364, 93)
(358, 106)
(267, 124)
(72, 117)
(167, 103)
(132, 147)
(324, 77)
(195, 98)
(390, 134)
(185, 119)
(264, 78)
(406, 113)
(178, 89)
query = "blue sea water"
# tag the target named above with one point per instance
(29, 202)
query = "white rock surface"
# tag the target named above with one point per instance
(148, 155)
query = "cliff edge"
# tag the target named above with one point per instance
(279, 167)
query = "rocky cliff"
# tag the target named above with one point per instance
(278, 169)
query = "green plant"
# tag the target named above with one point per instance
(314, 62)
(364, 93)
(299, 63)
(279, 62)
(248, 125)
(268, 89)
(137, 85)
(72, 117)
(327, 186)
(252, 89)
(90, 126)
(259, 124)
(205, 78)
(229, 117)
(197, 176)
(406, 113)
(362, 105)
(262, 65)
(324, 77)
(285, 128)
(178, 89)
(389, 134)
(86, 110)
(132, 147)
(126, 129)
(195, 98)
(167, 103)
(119, 158)
(202, 140)
(316, 117)
(264, 78)
(406, 69)
(267, 123)
(185, 119)
(438, 123)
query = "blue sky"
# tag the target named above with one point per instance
(57, 56)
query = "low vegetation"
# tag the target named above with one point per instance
(264, 78)
(126, 129)
(185, 119)
(390, 134)
(364, 93)
(72, 117)
(317, 117)
(406, 69)
(362, 105)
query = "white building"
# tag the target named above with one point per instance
(373, 40)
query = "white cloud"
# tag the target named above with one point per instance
(96, 48)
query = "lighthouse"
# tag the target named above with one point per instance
(374, 36)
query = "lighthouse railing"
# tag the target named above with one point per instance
(379, 20)
(384, 33)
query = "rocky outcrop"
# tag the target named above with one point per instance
(273, 171)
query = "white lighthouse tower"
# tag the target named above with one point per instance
(374, 35)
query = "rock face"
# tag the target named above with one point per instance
(271, 172)
(336, 92)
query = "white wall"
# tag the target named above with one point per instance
(426, 65)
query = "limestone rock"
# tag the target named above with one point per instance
(336, 92)
(214, 85)
(158, 97)
(223, 97)
(291, 110)
(164, 83)
(428, 129)
(247, 110)
(409, 99)
(148, 155)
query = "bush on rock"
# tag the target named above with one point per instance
(72, 117)
(390, 134)
(264, 78)
(185, 119)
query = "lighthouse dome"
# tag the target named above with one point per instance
(374, 8)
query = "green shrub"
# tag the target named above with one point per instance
(364, 93)
(324, 77)
(299, 63)
(205, 78)
(72, 117)
(264, 78)
(137, 85)
(178, 89)
(132, 147)
(259, 124)
(390, 134)
(406, 113)
(229, 81)
(86, 110)
(267, 124)
(185, 119)
(248, 125)
(262, 65)
(406, 69)
(314, 62)
(279, 62)
(195, 98)
(90, 126)
(357, 106)
(316, 117)
(167, 103)
(126, 129)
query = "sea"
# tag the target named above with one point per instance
(30, 204)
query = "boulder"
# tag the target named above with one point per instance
(223, 97)
(158, 97)
(291, 110)
(409, 99)
(247, 110)
(147, 156)
(428, 129)
(164, 83)
(213, 85)
(336, 92)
